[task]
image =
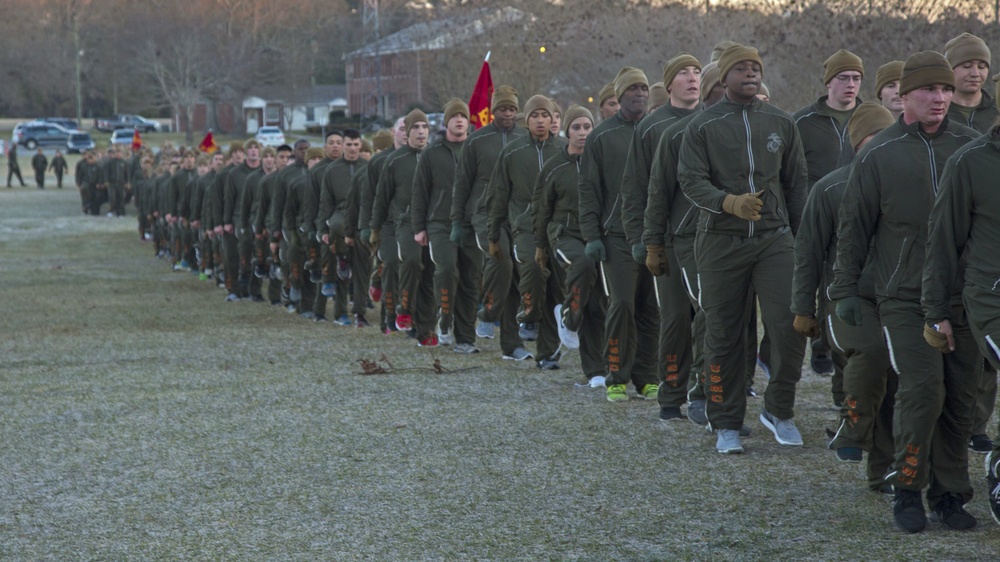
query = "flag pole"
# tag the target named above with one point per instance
(488, 56)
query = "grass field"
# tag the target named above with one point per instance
(144, 418)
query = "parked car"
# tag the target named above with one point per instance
(122, 136)
(64, 122)
(129, 121)
(270, 136)
(33, 135)
(79, 141)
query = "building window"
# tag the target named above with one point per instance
(310, 114)
(271, 114)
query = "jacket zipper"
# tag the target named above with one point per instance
(899, 261)
(753, 189)
(930, 158)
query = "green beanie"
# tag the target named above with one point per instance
(628, 76)
(575, 112)
(888, 72)
(504, 95)
(966, 47)
(925, 68)
(677, 64)
(841, 61)
(735, 55)
(868, 118)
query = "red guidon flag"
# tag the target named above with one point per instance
(136, 140)
(208, 144)
(482, 97)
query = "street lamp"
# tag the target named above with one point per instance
(79, 96)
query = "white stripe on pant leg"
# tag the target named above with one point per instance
(687, 285)
(892, 353)
(563, 256)
(399, 252)
(993, 345)
(430, 250)
(656, 291)
(700, 305)
(833, 335)
(604, 280)
(518, 260)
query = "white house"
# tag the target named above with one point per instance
(292, 109)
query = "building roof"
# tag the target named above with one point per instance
(308, 95)
(443, 33)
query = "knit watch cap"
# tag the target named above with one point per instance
(658, 95)
(366, 146)
(556, 107)
(607, 92)
(841, 61)
(234, 147)
(455, 107)
(925, 68)
(737, 54)
(762, 90)
(721, 48)
(628, 76)
(888, 72)
(710, 76)
(966, 47)
(382, 139)
(677, 64)
(868, 118)
(575, 112)
(252, 143)
(537, 102)
(414, 117)
(504, 95)
(314, 152)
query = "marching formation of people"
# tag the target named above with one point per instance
(649, 240)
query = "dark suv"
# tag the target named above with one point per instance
(34, 135)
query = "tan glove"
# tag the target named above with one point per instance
(808, 326)
(495, 250)
(936, 339)
(542, 259)
(656, 260)
(373, 238)
(746, 206)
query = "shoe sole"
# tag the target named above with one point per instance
(735, 451)
(511, 358)
(618, 399)
(769, 425)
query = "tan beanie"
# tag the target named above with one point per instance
(925, 68)
(841, 61)
(575, 112)
(414, 117)
(556, 107)
(455, 107)
(607, 92)
(709, 78)
(677, 64)
(234, 147)
(626, 77)
(721, 48)
(737, 54)
(537, 102)
(868, 118)
(366, 146)
(763, 91)
(382, 139)
(964, 48)
(314, 152)
(888, 72)
(658, 95)
(504, 95)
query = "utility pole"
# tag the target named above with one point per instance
(371, 66)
